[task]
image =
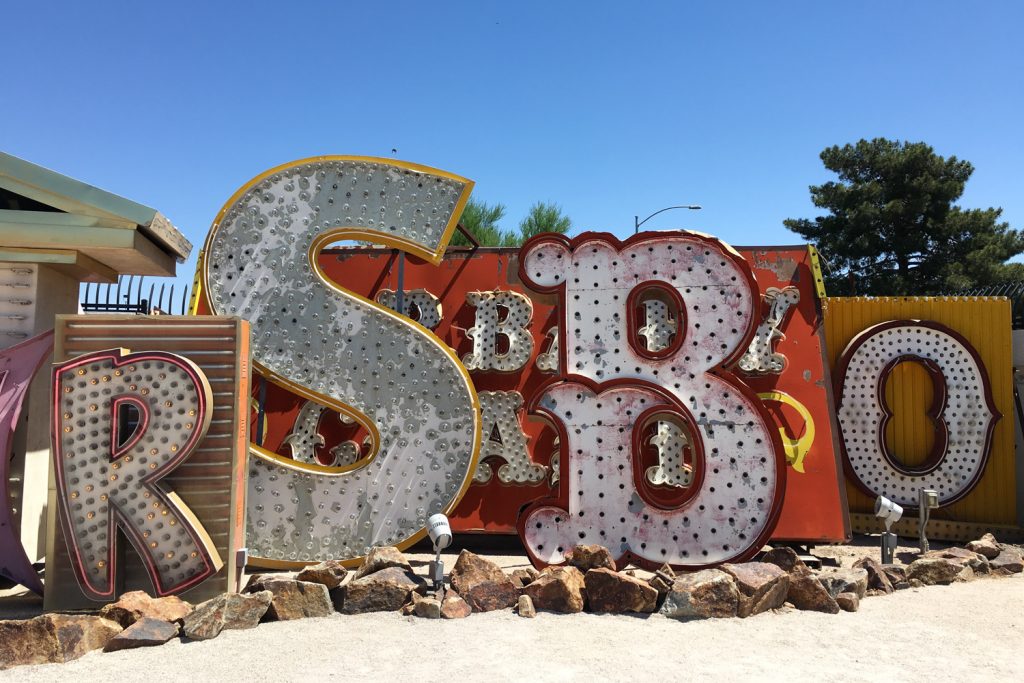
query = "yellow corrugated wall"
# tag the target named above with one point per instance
(985, 323)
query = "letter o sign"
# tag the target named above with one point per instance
(963, 411)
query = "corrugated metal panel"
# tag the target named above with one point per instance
(985, 323)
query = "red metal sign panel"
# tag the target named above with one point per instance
(506, 333)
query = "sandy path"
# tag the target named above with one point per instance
(965, 631)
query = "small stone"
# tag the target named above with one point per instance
(934, 571)
(618, 593)
(382, 558)
(558, 589)
(137, 604)
(587, 557)
(878, 580)
(1008, 561)
(482, 583)
(525, 607)
(295, 599)
(845, 581)
(524, 577)
(428, 608)
(145, 632)
(226, 612)
(409, 608)
(454, 607)
(662, 580)
(784, 557)
(762, 585)
(330, 573)
(848, 602)
(987, 546)
(385, 590)
(897, 575)
(806, 593)
(702, 594)
(53, 638)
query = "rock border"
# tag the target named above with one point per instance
(588, 582)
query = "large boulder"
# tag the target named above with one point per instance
(1008, 561)
(878, 579)
(382, 558)
(963, 557)
(482, 583)
(557, 589)
(135, 605)
(785, 558)
(587, 557)
(987, 546)
(703, 594)
(762, 586)
(385, 590)
(932, 571)
(610, 591)
(330, 573)
(226, 612)
(145, 632)
(294, 599)
(454, 607)
(53, 638)
(845, 581)
(807, 593)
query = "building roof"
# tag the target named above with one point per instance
(47, 217)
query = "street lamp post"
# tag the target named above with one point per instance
(637, 222)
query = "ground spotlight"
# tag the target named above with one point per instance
(441, 536)
(927, 500)
(890, 513)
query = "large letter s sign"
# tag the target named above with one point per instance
(343, 351)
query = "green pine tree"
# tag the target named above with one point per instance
(891, 227)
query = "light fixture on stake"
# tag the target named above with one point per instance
(890, 513)
(441, 536)
(927, 499)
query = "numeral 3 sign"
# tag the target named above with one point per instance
(615, 386)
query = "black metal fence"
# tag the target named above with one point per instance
(1014, 291)
(136, 294)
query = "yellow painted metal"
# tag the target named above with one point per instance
(985, 323)
(819, 279)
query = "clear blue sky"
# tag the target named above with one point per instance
(609, 109)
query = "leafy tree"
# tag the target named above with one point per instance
(543, 217)
(481, 219)
(892, 228)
